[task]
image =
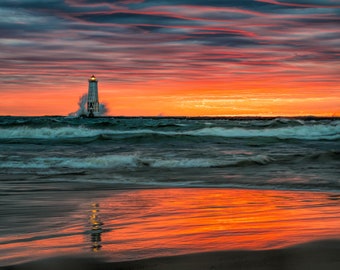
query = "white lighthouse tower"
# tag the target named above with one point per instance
(92, 97)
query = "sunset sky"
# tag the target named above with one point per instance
(175, 57)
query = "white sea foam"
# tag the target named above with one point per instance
(306, 132)
(65, 132)
(186, 163)
(131, 161)
(108, 161)
(313, 132)
(46, 133)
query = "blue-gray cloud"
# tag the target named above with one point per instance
(178, 37)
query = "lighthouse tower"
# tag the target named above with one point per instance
(92, 97)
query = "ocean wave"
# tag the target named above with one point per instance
(302, 132)
(134, 161)
(283, 122)
(312, 132)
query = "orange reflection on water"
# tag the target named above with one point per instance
(214, 219)
(134, 224)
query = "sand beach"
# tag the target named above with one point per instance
(312, 256)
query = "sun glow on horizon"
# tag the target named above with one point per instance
(193, 59)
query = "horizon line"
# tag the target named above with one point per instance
(193, 117)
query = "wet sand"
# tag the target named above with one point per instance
(316, 255)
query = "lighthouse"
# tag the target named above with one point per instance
(92, 97)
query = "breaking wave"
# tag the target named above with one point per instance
(82, 107)
(303, 132)
(129, 161)
(134, 161)
(316, 132)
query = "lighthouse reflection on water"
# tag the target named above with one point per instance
(96, 230)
